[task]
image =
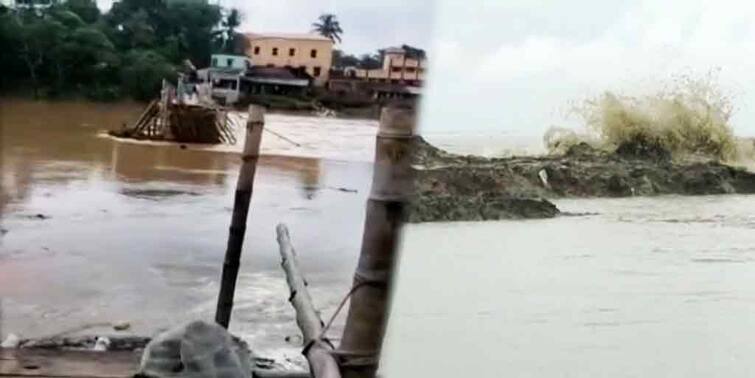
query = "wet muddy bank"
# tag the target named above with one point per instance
(137, 345)
(86, 342)
(469, 188)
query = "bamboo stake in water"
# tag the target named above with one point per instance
(322, 364)
(392, 182)
(243, 197)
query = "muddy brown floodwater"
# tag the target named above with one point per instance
(97, 230)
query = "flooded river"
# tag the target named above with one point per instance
(98, 231)
(646, 287)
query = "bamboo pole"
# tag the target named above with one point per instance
(243, 197)
(392, 183)
(322, 363)
(144, 114)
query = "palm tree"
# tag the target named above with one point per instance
(328, 26)
(226, 35)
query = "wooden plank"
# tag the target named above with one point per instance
(73, 364)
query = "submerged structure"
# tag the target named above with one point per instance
(184, 114)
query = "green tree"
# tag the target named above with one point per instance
(67, 18)
(229, 40)
(328, 26)
(343, 60)
(40, 37)
(10, 46)
(72, 48)
(137, 31)
(144, 13)
(370, 61)
(194, 25)
(88, 57)
(143, 73)
(86, 9)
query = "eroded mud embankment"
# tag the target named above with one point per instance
(469, 188)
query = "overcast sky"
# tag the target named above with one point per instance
(368, 25)
(516, 65)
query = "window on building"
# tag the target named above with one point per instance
(275, 51)
(410, 69)
(313, 53)
(317, 71)
(214, 62)
(229, 62)
(291, 52)
(396, 69)
(225, 84)
(256, 50)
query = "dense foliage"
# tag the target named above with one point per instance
(74, 49)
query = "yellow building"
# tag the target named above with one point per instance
(311, 52)
(397, 68)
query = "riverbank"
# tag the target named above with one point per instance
(470, 188)
(132, 345)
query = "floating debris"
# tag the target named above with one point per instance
(37, 216)
(122, 326)
(156, 193)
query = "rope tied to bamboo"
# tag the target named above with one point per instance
(359, 352)
(299, 298)
(344, 356)
(317, 350)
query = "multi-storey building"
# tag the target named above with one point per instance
(312, 53)
(398, 68)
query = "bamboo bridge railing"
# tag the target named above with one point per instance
(359, 351)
